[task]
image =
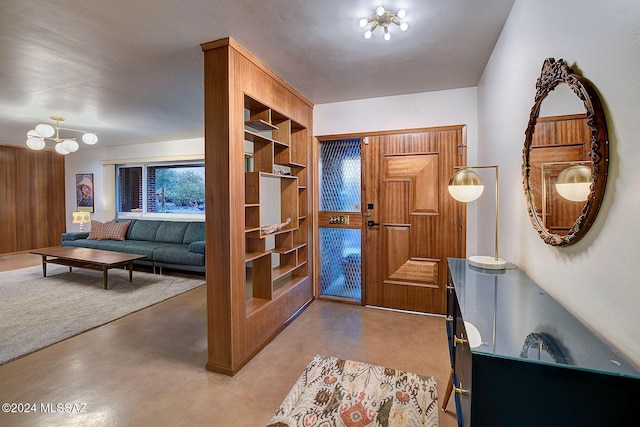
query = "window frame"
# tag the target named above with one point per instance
(153, 215)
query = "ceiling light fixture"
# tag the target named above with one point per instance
(36, 137)
(383, 18)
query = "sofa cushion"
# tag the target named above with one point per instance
(81, 243)
(194, 233)
(114, 230)
(177, 254)
(143, 230)
(197, 247)
(96, 230)
(75, 235)
(142, 247)
(171, 232)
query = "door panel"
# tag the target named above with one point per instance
(416, 225)
(421, 173)
(340, 219)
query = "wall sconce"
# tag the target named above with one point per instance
(81, 218)
(466, 186)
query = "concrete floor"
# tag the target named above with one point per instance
(148, 368)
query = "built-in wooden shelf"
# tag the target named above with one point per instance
(253, 122)
(259, 125)
(257, 138)
(254, 304)
(277, 145)
(286, 251)
(250, 256)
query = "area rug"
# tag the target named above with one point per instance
(37, 311)
(334, 392)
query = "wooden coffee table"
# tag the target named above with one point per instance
(93, 259)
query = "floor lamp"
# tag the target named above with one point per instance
(466, 186)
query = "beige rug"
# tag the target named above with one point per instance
(37, 311)
(333, 392)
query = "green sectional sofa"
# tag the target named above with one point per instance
(177, 245)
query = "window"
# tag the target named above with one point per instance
(160, 189)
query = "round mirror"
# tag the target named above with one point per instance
(565, 155)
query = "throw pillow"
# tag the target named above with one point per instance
(96, 230)
(114, 230)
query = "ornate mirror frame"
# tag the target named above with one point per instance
(554, 73)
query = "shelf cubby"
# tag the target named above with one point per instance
(259, 125)
(298, 145)
(252, 218)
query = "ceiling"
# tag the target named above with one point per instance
(132, 71)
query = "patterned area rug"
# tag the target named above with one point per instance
(333, 392)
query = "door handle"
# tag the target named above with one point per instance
(370, 223)
(366, 214)
(457, 341)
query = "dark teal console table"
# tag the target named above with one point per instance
(534, 363)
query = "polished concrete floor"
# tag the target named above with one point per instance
(147, 369)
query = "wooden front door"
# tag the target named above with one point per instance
(411, 223)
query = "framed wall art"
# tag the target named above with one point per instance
(84, 192)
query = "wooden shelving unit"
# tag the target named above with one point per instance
(257, 139)
(272, 134)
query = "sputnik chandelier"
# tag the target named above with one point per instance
(44, 131)
(383, 18)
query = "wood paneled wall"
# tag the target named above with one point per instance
(32, 198)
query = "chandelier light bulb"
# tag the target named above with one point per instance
(380, 11)
(45, 130)
(363, 22)
(401, 13)
(367, 34)
(387, 36)
(60, 149)
(35, 143)
(70, 145)
(89, 138)
(404, 26)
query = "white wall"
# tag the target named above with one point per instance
(99, 160)
(597, 278)
(419, 110)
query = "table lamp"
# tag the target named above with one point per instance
(466, 186)
(81, 218)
